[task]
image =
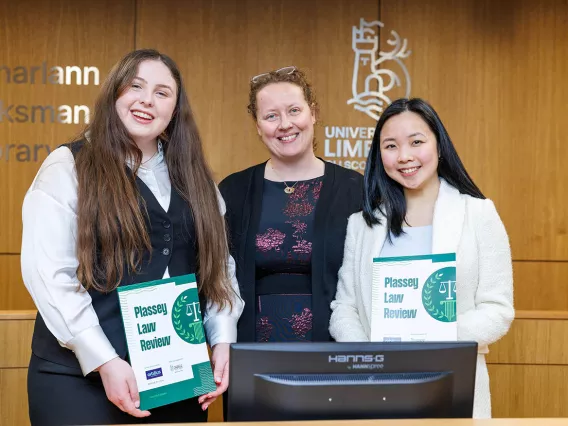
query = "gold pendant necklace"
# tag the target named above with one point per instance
(288, 189)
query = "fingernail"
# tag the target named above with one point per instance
(218, 379)
(137, 404)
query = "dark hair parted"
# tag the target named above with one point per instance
(297, 77)
(112, 233)
(386, 195)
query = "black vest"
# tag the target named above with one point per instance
(172, 235)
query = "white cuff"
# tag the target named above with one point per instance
(92, 348)
(221, 329)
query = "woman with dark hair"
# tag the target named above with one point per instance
(287, 217)
(420, 200)
(131, 200)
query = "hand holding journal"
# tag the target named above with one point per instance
(166, 340)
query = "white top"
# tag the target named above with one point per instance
(415, 241)
(467, 226)
(49, 262)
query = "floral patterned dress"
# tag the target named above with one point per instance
(283, 261)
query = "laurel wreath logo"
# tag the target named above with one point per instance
(192, 332)
(427, 297)
(432, 297)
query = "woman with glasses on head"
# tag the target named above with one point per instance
(420, 200)
(287, 217)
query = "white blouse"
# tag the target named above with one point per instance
(416, 240)
(49, 262)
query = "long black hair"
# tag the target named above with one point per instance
(387, 195)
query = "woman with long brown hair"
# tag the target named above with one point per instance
(131, 200)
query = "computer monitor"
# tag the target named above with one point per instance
(331, 381)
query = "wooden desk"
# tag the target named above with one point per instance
(425, 422)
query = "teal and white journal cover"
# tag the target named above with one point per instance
(414, 298)
(166, 340)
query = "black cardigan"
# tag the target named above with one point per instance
(340, 196)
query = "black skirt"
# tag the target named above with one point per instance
(57, 397)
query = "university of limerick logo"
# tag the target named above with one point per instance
(439, 295)
(186, 316)
(371, 77)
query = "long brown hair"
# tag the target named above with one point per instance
(112, 233)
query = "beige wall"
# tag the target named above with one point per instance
(494, 71)
(59, 33)
(218, 46)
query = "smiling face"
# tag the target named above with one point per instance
(409, 151)
(285, 121)
(147, 104)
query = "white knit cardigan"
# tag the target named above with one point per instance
(472, 229)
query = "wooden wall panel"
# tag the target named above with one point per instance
(13, 294)
(495, 71)
(16, 342)
(534, 342)
(525, 365)
(541, 285)
(529, 390)
(538, 285)
(528, 367)
(14, 397)
(58, 33)
(223, 43)
(16, 328)
(220, 45)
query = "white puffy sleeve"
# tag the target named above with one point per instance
(494, 312)
(345, 324)
(49, 262)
